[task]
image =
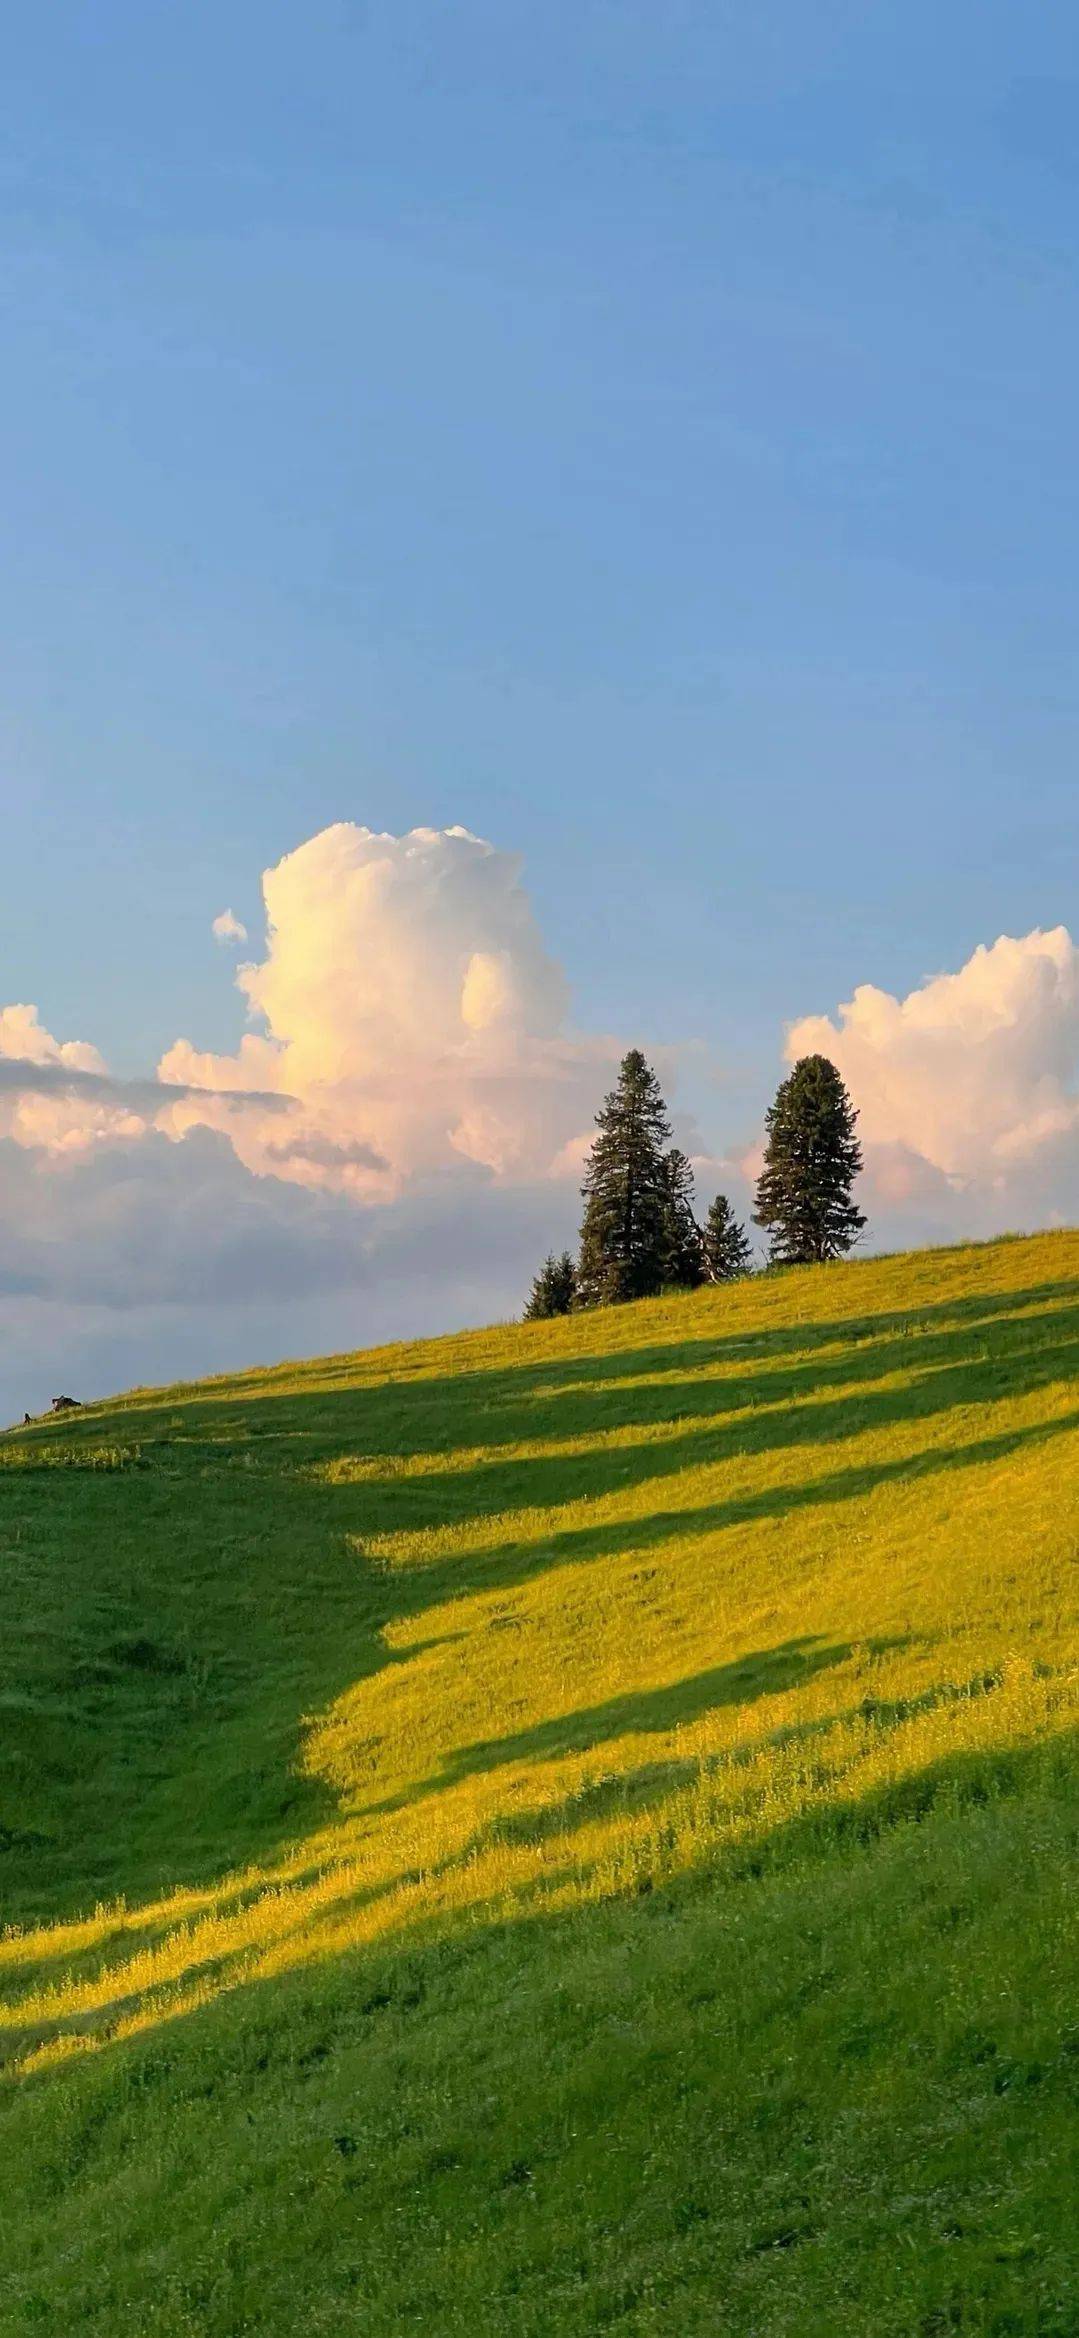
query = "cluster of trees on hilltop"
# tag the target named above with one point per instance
(640, 1233)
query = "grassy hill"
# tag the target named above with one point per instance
(556, 1830)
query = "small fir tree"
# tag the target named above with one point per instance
(565, 1291)
(727, 1252)
(625, 1192)
(683, 1247)
(811, 1159)
(554, 1290)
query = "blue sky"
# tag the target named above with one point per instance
(643, 434)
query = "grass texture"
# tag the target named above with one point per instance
(557, 1830)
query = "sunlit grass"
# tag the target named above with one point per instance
(421, 1678)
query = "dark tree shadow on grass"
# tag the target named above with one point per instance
(416, 1412)
(768, 1673)
(711, 1436)
(408, 1967)
(508, 1565)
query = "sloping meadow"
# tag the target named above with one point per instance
(556, 1829)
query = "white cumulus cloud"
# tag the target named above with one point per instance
(968, 1088)
(407, 1006)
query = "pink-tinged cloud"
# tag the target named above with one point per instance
(407, 1005)
(968, 1088)
(50, 1096)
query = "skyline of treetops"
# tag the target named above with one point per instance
(640, 1234)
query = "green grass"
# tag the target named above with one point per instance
(556, 1830)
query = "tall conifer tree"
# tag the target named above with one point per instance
(812, 1157)
(625, 1192)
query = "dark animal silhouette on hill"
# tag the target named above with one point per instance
(65, 1404)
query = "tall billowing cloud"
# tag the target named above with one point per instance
(407, 1007)
(391, 1145)
(968, 1088)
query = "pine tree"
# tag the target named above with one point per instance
(625, 1192)
(727, 1252)
(683, 1247)
(565, 1284)
(554, 1290)
(811, 1160)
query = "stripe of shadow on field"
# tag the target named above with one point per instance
(419, 1968)
(578, 1394)
(520, 1561)
(819, 1408)
(768, 1672)
(869, 1345)
(984, 1357)
(742, 1682)
(941, 1791)
(945, 1789)
(410, 1410)
(630, 1793)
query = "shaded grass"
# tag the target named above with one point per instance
(557, 1829)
